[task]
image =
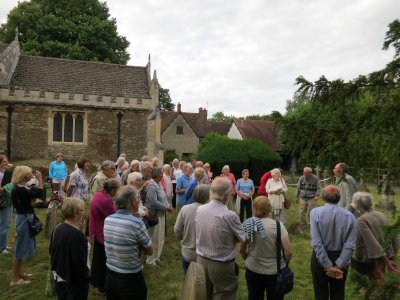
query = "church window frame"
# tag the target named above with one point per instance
(67, 127)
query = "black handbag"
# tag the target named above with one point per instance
(152, 219)
(3, 200)
(285, 278)
(34, 226)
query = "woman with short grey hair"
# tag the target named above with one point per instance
(156, 203)
(185, 225)
(107, 170)
(372, 257)
(276, 189)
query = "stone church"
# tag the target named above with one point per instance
(80, 108)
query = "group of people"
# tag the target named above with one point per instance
(126, 227)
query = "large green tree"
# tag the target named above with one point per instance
(165, 100)
(71, 29)
(219, 116)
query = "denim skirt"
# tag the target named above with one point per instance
(25, 245)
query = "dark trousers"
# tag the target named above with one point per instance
(258, 284)
(245, 204)
(121, 286)
(174, 197)
(99, 266)
(325, 287)
(73, 291)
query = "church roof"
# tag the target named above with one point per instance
(80, 77)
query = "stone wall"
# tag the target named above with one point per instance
(30, 134)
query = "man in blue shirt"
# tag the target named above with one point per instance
(333, 238)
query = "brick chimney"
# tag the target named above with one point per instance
(178, 107)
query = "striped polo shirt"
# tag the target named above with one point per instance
(124, 234)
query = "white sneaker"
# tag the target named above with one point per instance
(5, 251)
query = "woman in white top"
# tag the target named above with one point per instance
(259, 251)
(276, 189)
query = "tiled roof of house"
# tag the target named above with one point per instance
(260, 130)
(80, 77)
(195, 121)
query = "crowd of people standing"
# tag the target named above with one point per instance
(126, 224)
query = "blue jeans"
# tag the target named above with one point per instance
(185, 265)
(5, 221)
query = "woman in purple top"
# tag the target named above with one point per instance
(101, 206)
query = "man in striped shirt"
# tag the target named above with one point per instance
(218, 229)
(124, 238)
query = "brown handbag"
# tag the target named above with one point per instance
(287, 204)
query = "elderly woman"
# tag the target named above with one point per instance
(370, 257)
(119, 167)
(107, 170)
(5, 213)
(135, 167)
(23, 199)
(244, 190)
(209, 174)
(58, 172)
(101, 207)
(135, 179)
(166, 183)
(259, 251)
(197, 180)
(226, 173)
(156, 203)
(79, 185)
(69, 252)
(185, 225)
(276, 189)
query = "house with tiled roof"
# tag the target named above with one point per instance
(80, 108)
(183, 131)
(261, 130)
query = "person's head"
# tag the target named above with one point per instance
(307, 172)
(122, 155)
(207, 167)
(362, 202)
(145, 158)
(199, 173)
(245, 173)
(3, 162)
(73, 209)
(157, 174)
(108, 168)
(201, 193)
(339, 170)
(167, 169)
(199, 164)
(145, 168)
(276, 174)
(135, 166)
(187, 170)
(59, 157)
(331, 194)
(193, 163)
(135, 179)
(261, 207)
(127, 198)
(225, 170)
(83, 163)
(182, 164)
(155, 161)
(175, 163)
(220, 189)
(120, 161)
(111, 186)
(21, 175)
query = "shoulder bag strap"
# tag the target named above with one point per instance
(278, 245)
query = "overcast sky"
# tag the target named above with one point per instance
(241, 57)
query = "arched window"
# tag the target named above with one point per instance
(79, 128)
(68, 128)
(57, 128)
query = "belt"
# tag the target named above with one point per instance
(220, 261)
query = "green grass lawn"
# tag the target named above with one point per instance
(166, 282)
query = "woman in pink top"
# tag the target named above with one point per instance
(101, 206)
(226, 173)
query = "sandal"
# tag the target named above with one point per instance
(20, 282)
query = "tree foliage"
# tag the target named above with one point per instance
(354, 121)
(71, 29)
(165, 100)
(250, 154)
(221, 117)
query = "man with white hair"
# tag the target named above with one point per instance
(308, 190)
(218, 229)
(346, 184)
